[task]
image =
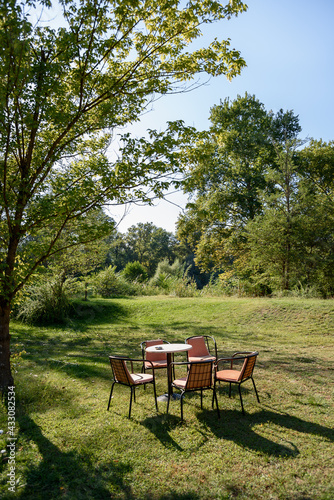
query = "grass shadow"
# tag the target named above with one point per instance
(85, 313)
(174, 495)
(161, 426)
(239, 428)
(59, 474)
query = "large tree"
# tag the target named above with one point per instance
(228, 178)
(262, 202)
(65, 86)
(227, 174)
(291, 244)
(277, 236)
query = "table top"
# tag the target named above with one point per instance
(169, 348)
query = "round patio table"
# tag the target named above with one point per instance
(169, 349)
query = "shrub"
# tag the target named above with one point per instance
(162, 280)
(177, 269)
(184, 287)
(108, 283)
(215, 288)
(44, 302)
(168, 276)
(135, 271)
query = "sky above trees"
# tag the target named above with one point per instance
(288, 48)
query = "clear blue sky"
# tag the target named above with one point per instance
(288, 46)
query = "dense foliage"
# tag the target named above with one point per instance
(144, 243)
(261, 203)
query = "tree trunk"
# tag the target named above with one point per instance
(6, 378)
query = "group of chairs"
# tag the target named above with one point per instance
(204, 370)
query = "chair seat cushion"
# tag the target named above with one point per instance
(207, 357)
(141, 378)
(157, 364)
(228, 375)
(180, 382)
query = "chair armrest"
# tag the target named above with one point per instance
(215, 345)
(142, 346)
(139, 361)
(147, 361)
(229, 358)
(241, 352)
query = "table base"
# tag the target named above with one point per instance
(164, 397)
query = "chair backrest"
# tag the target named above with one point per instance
(199, 375)
(199, 347)
(120, 370)
(155, 356)
(248, 365)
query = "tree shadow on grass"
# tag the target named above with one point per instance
(78, 349)
(161, 426)
(72, 476)
(174, 495)
(67, 475)
(239, 428)
(242, 429)
(85, 313)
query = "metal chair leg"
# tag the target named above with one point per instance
(112, 387)
(242, 406)
(132, 391)
(144, 371)
(214, 392)
(182, 407)
(257, 396)
(155, 394)
(214, 396)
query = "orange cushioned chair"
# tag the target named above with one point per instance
(235, 375)
(199, 378)
(201, 348)
(124, 377)
(153, 360)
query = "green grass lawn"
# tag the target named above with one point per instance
(68, 446)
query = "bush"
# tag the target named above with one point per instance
(162, 280)
(184, 287)
(168, 276)
(108, 283)
(135, 271)
(216, 288)
(173, 279)
(177, 269)
(44, 302)
(300, 291)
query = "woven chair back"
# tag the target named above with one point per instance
(199, 375)
(120, 370)
(248, 366)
